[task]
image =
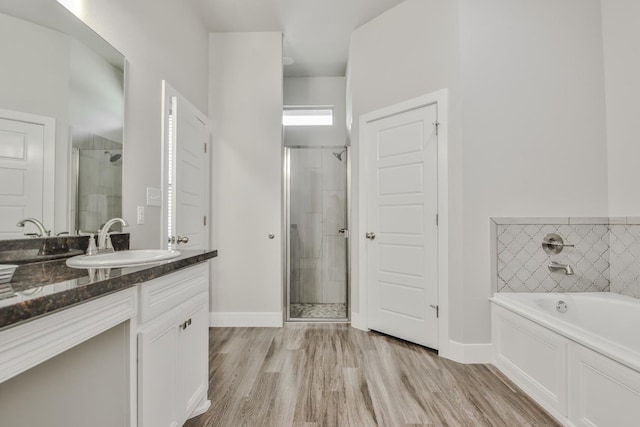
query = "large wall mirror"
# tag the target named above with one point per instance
(61, 121)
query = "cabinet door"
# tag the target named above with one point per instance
(193, 355)
(157, 370)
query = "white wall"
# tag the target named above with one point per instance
(620, 20)
(534, 137)
(317, 91)
(246, 110)
(531, 117)
(161, 39)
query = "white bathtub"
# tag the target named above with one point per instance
(582, 365)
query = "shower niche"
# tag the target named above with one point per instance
(317, 241)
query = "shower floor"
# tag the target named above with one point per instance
(318, 311)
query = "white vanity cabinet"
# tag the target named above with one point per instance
(173, 347)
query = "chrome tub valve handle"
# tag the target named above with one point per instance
(553, 244)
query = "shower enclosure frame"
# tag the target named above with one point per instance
(287, 236)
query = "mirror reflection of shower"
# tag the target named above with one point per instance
(113, 157)
(339, 155)
(96, 171)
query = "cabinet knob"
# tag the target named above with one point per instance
(184, 325)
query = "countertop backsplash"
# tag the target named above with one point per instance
(120, 241)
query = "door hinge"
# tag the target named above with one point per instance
(437, 220)
(205, 220)
(437, 125)
(205, 147)
(437, 308)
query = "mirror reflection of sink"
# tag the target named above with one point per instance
(131, 258)
(25, 256)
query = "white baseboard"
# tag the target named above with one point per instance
(202, 407)
(357, 322)
(469, 353)
(245, 319)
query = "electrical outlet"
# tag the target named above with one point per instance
(140, 215)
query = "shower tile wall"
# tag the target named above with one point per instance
(606, 257)
(317, 212)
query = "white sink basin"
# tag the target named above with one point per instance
(131, 258)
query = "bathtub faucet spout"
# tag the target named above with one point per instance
(563, 268)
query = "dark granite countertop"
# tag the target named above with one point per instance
(42, 288)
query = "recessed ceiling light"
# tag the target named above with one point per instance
(287, 60)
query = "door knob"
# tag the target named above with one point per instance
(178, 239)
(370, 235)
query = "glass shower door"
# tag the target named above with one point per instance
(317, 286)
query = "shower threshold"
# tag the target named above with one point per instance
(319, 311)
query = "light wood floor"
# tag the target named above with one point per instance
(312, 375)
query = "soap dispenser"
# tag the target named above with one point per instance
(92, 249)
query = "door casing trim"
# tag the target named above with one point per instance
(440, 98)
(168, 92)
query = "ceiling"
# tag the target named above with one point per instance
(316, 32)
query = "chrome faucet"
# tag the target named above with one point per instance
(563, 268)
(104, 231)
(43, 232)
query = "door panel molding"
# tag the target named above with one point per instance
(440, 99)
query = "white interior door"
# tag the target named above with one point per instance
(402, 248)
(21, 175)
(187, 180)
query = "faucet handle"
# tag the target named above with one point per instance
(553, 244)
(91, 248)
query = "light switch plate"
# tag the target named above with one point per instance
(154, 196)
(140, 215)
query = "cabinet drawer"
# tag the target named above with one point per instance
(160, 295)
